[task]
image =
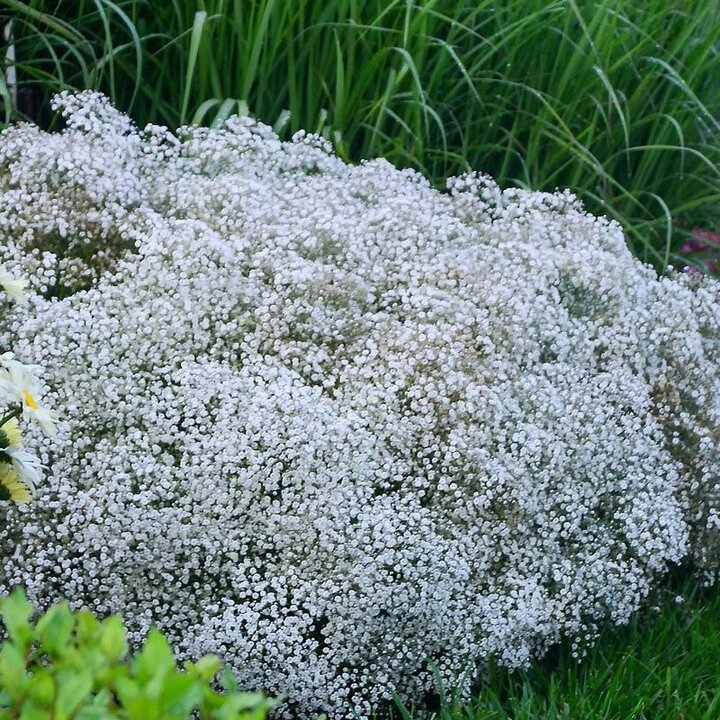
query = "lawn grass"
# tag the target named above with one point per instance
(664, 665)
(616, 99)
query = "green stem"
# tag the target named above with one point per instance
(15, 412)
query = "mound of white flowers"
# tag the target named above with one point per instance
(336, 426)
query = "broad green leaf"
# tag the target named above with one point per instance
(228, 680)
(252, 706)
(143, 708)
(41, 687)
(16, 612)
(113, 641)
(74, 687)
(246, 701)
(99, 708)
(208, 666)
(12, 667)
(180, 694)
(155, 659)
(127, 689)
(30, 711)
(54, 629)
(251, 699)
(86, 625)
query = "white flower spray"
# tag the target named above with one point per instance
(339, 427)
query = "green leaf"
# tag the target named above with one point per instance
(207, 667)
(252, 706)
(143, 708)
(54, 629)
(30, 711)
(98, 708)
(41, 688)
(86, 625)
(228, 680)
(155, 659)
(247, 700)
(16, 612)
(195, 38)
(94, 713)
(75, 672)
(74, 687)
(127, 690)
(12, 667)
(113, 641)
(180, 694)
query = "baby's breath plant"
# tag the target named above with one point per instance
(347, 432)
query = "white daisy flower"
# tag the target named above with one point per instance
(12, 487)
(28, 466)
(18, 384)
(10, 434)
(14, 287)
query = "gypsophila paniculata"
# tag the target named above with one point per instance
(338, 427)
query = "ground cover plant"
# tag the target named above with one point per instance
(344, 430)
(616, 99)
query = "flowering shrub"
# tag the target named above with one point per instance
(340, 428)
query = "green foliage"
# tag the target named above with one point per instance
(663, 664)
(616, 99)
(73, 666)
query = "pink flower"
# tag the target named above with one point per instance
(708, 244)
(711, 237)
(690, 246)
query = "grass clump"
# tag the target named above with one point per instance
(615, 99)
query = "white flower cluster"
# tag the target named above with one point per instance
(339, 427)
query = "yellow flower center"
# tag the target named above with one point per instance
(10, 434)
(11, 487)
(30, 400)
